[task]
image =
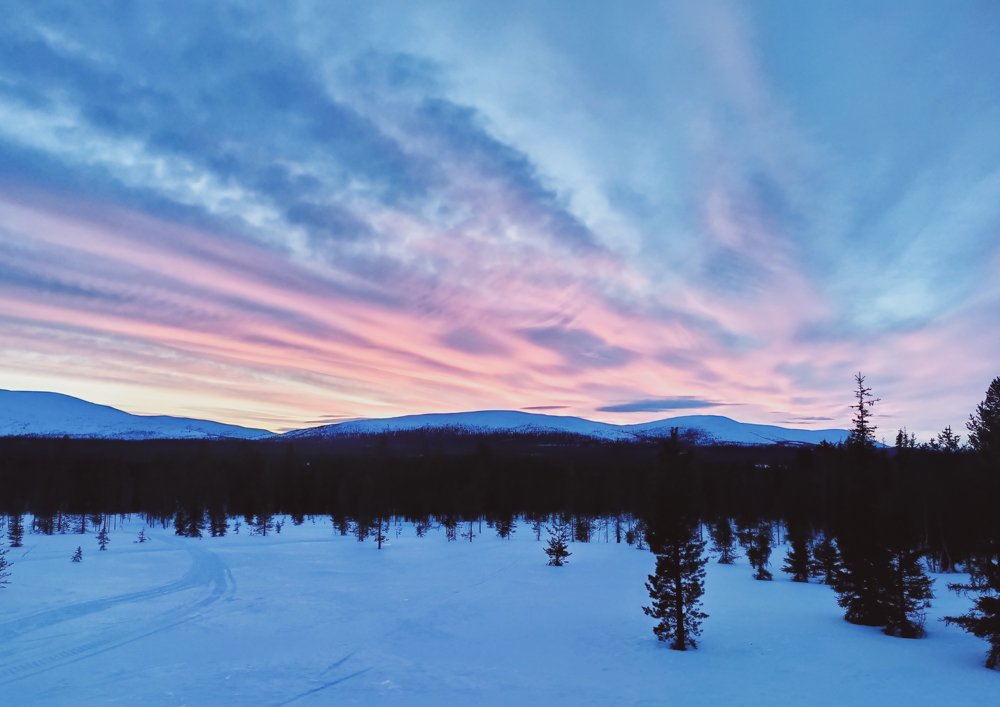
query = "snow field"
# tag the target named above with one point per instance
(307, 617)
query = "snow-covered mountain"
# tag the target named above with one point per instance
(55, 415)
(710, 428)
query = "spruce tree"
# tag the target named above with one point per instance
(759, 551)
(948, 441)
(505, 527)
(826, 560)
(984, 424)
(798, 563)
(78, 555)
(862, 580)
(678, 583)
(558, 545)
(15, 531)
(908, 595)
(4, 568)
(141, 537)
(983, 620)
(862, 435)
(103, 538)
(723, 541)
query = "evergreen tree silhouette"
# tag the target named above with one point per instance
(862, 580)
(723, 540)
(826, 560)
(798, 563)
(984, 424)
(5, 565)
(78, 555)
(759, 551)
(908, 595)
(103, 538)
(557, 547)
(15, 530)
(862, 434)
(678, 582)
(983, 620)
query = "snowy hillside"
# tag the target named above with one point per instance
(56, 415)
(712, 428)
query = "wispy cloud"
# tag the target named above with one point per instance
(661, 405)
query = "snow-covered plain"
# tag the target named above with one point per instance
(307, 617)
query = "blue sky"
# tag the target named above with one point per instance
(270, 213)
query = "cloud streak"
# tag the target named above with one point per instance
(661, 405)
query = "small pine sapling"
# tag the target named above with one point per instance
(103, 538)
(558, 545)
(4, 568)
(78, 555)
(16, 532)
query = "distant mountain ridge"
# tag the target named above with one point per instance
(711, 428)
(42, 414)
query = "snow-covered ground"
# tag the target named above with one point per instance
(307, 617)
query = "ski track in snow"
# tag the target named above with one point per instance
(328, 684)
(207, 571)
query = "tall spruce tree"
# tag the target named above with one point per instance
(983, 620)
(862, 434)
(984, 424)
(678, 583)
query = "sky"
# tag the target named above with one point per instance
(286, 214)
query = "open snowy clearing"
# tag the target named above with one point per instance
(307, 617)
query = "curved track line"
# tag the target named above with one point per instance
(207, 571)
